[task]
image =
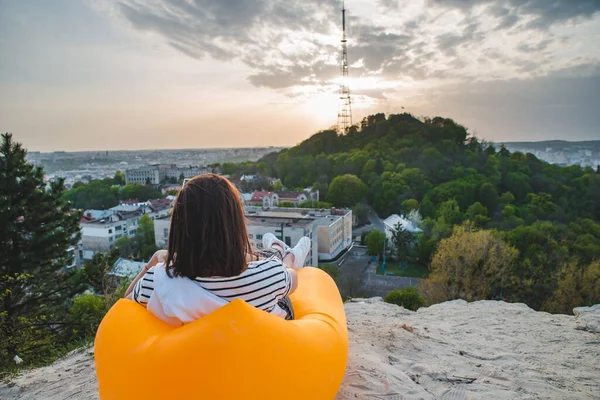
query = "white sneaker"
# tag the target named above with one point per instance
(269, 240)
(300, 252)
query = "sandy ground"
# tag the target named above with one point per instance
(454, 350)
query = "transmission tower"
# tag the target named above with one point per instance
(344, 121)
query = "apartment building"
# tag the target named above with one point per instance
(100, 229)
(173, 171)
(333, 226)
(151, 174)
(155, 174)
(100, 235)
(288, 229)
(329, 230)
(273, 199)
(334, 231)
(161, 231)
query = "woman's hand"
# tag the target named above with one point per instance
(158, 257)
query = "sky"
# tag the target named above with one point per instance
(154, 74)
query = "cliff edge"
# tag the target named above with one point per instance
(454, 350)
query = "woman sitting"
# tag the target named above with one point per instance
(209, 261)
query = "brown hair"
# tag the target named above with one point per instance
(208, 230)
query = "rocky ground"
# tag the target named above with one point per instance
(454, 350)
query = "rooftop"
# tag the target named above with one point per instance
(126, 268)
(278, 221)
(395, 219)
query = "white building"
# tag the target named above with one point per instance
(152, 174)
(333, 226)
(161, 231)
(100, 235)
(335, 232)
(175, 172)
(273, 199)
(391, 222)
(287, 229)
(329, 230)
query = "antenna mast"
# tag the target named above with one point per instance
(345, 113)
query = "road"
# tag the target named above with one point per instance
(374, 223)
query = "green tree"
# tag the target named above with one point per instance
(361, 213)
(85, 315)
(346, 190)
(408, 298)
(277, 186)
(144, 238)
(401, 241)
(125, 246)
(140, 192)
(314, 204)
(450, 212)
(36, 229)
(541, 205)
(477, 214)
(375, 243)
(507, 198)
(409, 205)
(119, 178)
(96, 269)
(488, 196)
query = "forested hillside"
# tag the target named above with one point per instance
(543, 218)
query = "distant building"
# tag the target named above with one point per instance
(174, 172)
(264, 199)
(156, 174)
(292, 197)
(249, 178)
(391, 222)
(161, 231)
(333, 226)
(100, 229)
(335, 233)
(152, 174)
(246, 197)
(273, 199)
(329, 230)
(286, 228)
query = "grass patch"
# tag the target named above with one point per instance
(404, 268)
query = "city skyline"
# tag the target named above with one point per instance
(177, 74)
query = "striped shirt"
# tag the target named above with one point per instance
(261, 285)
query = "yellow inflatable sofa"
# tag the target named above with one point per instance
(237, 352)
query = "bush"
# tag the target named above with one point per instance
(86, 313)
(408, 298)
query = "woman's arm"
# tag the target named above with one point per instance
(287, 261)
(159, 256)
(294, 277)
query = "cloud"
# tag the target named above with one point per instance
(541, 13)
(295, 44)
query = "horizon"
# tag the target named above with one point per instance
(266, 147)
(124, 75)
